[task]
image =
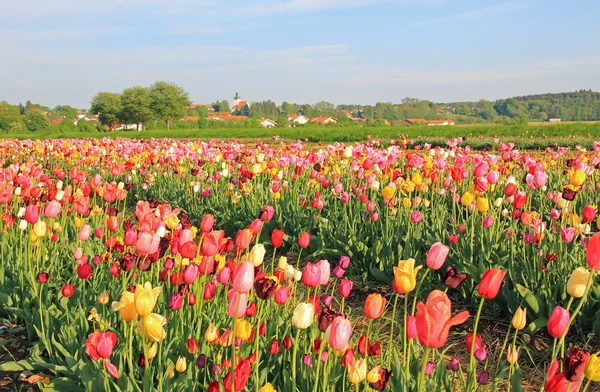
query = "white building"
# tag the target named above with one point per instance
(298, 119)
(267, 123)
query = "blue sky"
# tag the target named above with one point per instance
(342, 51)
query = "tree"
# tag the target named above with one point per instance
(107, 106)
(64, 111)
(10, 118)
(135, 106)
(202, 111)
(308, 111)
(168, 101)
(35, 121)
(84, 126)
(222, 106)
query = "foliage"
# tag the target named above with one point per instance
(168, 101)
(10, 118)
(36, 121)
(108, 106)
(63, 111)
(135, 106)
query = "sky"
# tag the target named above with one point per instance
(62, 52)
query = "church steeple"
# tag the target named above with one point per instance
(236, 100)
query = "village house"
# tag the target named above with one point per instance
(414, 121)
(238, 104)
(267, 123)
(554, 120)
(299, 119)
(440, 122)
(324, 120)
(209, 106)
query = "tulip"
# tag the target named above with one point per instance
(32, 214)
(190, 273)
(577, 178)
(304, 240)
(210, 290)
(207, 223)
(145, 298)
(277, 238)
(52, 209)
(281, 295)
(374, 306)
(126, 306)
(557, 323)
(268, 387)
(311, 275)
(592, 369)
(176, 300)
(257, 254)
(469, 343)
(243, 277)
(519, 319)
(151, 327)
(512, 355)
(490, 283)
(67, 290)
(325, 272)
(592, 252)
(411, 327)
(577, 282)
(266, 214)
(243, 329)
(357, 371)
(434, 319)
(40, 229)
(256, 226)
(339, 333)
(243, 239)
(483, 378)
(557, 382)
(454, 364)
(436, 257)
(405, 276)
(345, 287)
(192, 346)
(483, 204)
(181, 364)
(238, 303)
(240, 378)
(338, 272)
(147, 244)
(589, 213)
(567, 234)
(467, 199)
(574, 364)
(100, 345)
(303, 315)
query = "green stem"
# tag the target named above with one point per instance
(294, 359)
(472, 363)
(421, 383)
(392, 327)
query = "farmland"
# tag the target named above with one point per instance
(194, 261)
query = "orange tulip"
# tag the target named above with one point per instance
(374, 306)
(434, 319)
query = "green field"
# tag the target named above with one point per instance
(478, 136)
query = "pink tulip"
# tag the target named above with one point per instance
(186, 235)
(411, 327)
(238, 303)
(190, 273)
(84, 232)
(147, 244)
(52, 209)
(488, 222)
(325, 269)
(131, 237)
(243, 277)
(281, 295)
(339, 333)
(32, 214)
(567, 234)
(554, 214)
(416, 217)
(223, 275)
(311, 275)
(493, 177)
(557, 323)
(436, 257)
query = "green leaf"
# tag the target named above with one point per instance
(537, 324)
(535, 304)
(516, 379)
(380, 275)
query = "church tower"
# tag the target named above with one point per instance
(236, 100)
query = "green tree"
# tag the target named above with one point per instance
(84, 126)
(168, 101)
(35, 121)
(202, 111)
(308, 111)
(107, 106)
(64, 111)
(135, 106)
(10, 118)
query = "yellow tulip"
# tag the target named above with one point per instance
(257, 254)
(151, 327)
(483, 204)
(358, 371)
(181, 365)
(145, 298)
(303, 315)
(152, 350)
(388, 192)
(267, 388)
(282, 263)
(211, 334)
(512, 356)
(374, 375)
(592, 369)
(243, 329)
(171, 221)
(103, 298)
(519, 319)
(406, 202)
(578, 177)
(467, 199)
(405, 276)
(126, 306)
(577, 282)
(416, 178)
(170, 372)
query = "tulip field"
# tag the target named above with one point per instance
(214, 265)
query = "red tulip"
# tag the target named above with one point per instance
(192, 346)
(131, 236)
(67, 290)
(520, 200)
(100, 345)
(84, 270)
(243, 239)
(348, 358)
(411, 327)
(207, 223)
(32, 214)
(557, 382)
(266, 214)
(589, 213)
(274, 347)
(241, 374)
(42, 277)
(557, 323)
(214, 387)
(256, 226)
(210, 290)
(190, 273)
(281, 295)
(469, 343)
(304, 240)
(434, 319)
(112, 223)
(491, 282)
(212, 242)
(277, 238)
(592, 252)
